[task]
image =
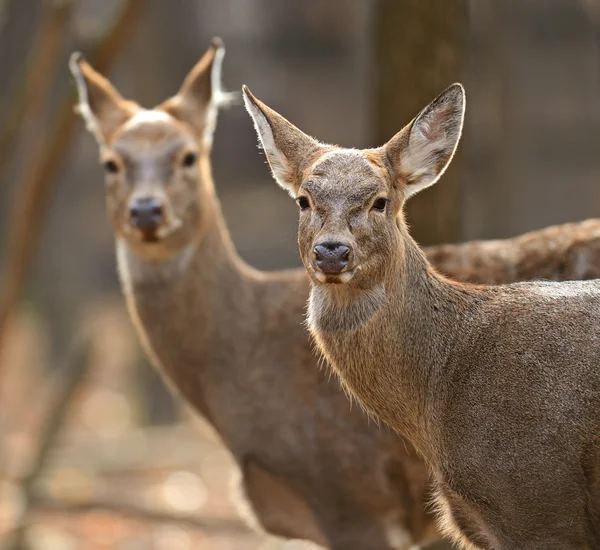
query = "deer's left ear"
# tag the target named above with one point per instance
(198, 100)
(421, 152)
(288, 149)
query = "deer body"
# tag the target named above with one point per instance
(512, 441)
(498, 388)
(567, 252)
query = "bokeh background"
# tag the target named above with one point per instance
(94, 453)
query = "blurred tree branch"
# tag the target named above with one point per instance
(209, 525)
(69, 380)
(37, 75)
(116, 457)
(419, 50)
(35, 186)
(76, 368)
(592, 10)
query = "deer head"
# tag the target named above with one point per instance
(153, 158)
(351, 200)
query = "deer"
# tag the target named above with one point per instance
(566, 252)
(230, 341)
(496, 387)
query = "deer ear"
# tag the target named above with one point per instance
(100, 104)
(421, 152)
(198, 100)
(288, 149)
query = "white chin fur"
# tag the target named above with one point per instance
(346, 277)
(342, 278)
(146, 116)
(321, 277)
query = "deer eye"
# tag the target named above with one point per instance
(303, 202)
(110, 166)
(380, 204)
(189, 159)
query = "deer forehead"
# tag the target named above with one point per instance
(152, 134)
(348, 174)
(145, 116)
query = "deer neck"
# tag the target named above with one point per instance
(390, 343)
(190, 308)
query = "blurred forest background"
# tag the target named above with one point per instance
(94, 453)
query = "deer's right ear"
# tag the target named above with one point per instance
(288, 149)
(100, 104)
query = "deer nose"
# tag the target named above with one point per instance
(332, 258)
(146, 213)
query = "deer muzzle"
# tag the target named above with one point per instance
(332, 258)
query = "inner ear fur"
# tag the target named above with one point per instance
(422, 151)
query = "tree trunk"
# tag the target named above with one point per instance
(419, 50)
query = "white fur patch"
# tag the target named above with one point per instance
(398, 537)
(447, 524)
(147, 116)
(212, 110)
(280, 167)
(83, 106)
(133, 268)
(123, 267)
(219, 97)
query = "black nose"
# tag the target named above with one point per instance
(146, 213)
(332, 258)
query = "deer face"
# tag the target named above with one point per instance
(152, 158)
(347, 210)
(350, 201)
(151, 173)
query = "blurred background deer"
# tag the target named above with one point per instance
(95, 453)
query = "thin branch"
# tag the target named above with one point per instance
(37, 75)
(214, 526)
(116, 456)
(75, 371)
(35, 187)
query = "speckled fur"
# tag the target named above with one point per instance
(497, 387)
(560, 253)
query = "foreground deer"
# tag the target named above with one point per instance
(498, 388)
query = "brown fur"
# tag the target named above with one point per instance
(497, 387)
(559, 253)
(231, 341)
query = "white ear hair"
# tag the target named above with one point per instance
(219, 98)
(433, 140)
(280, 167)
(83, 105)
